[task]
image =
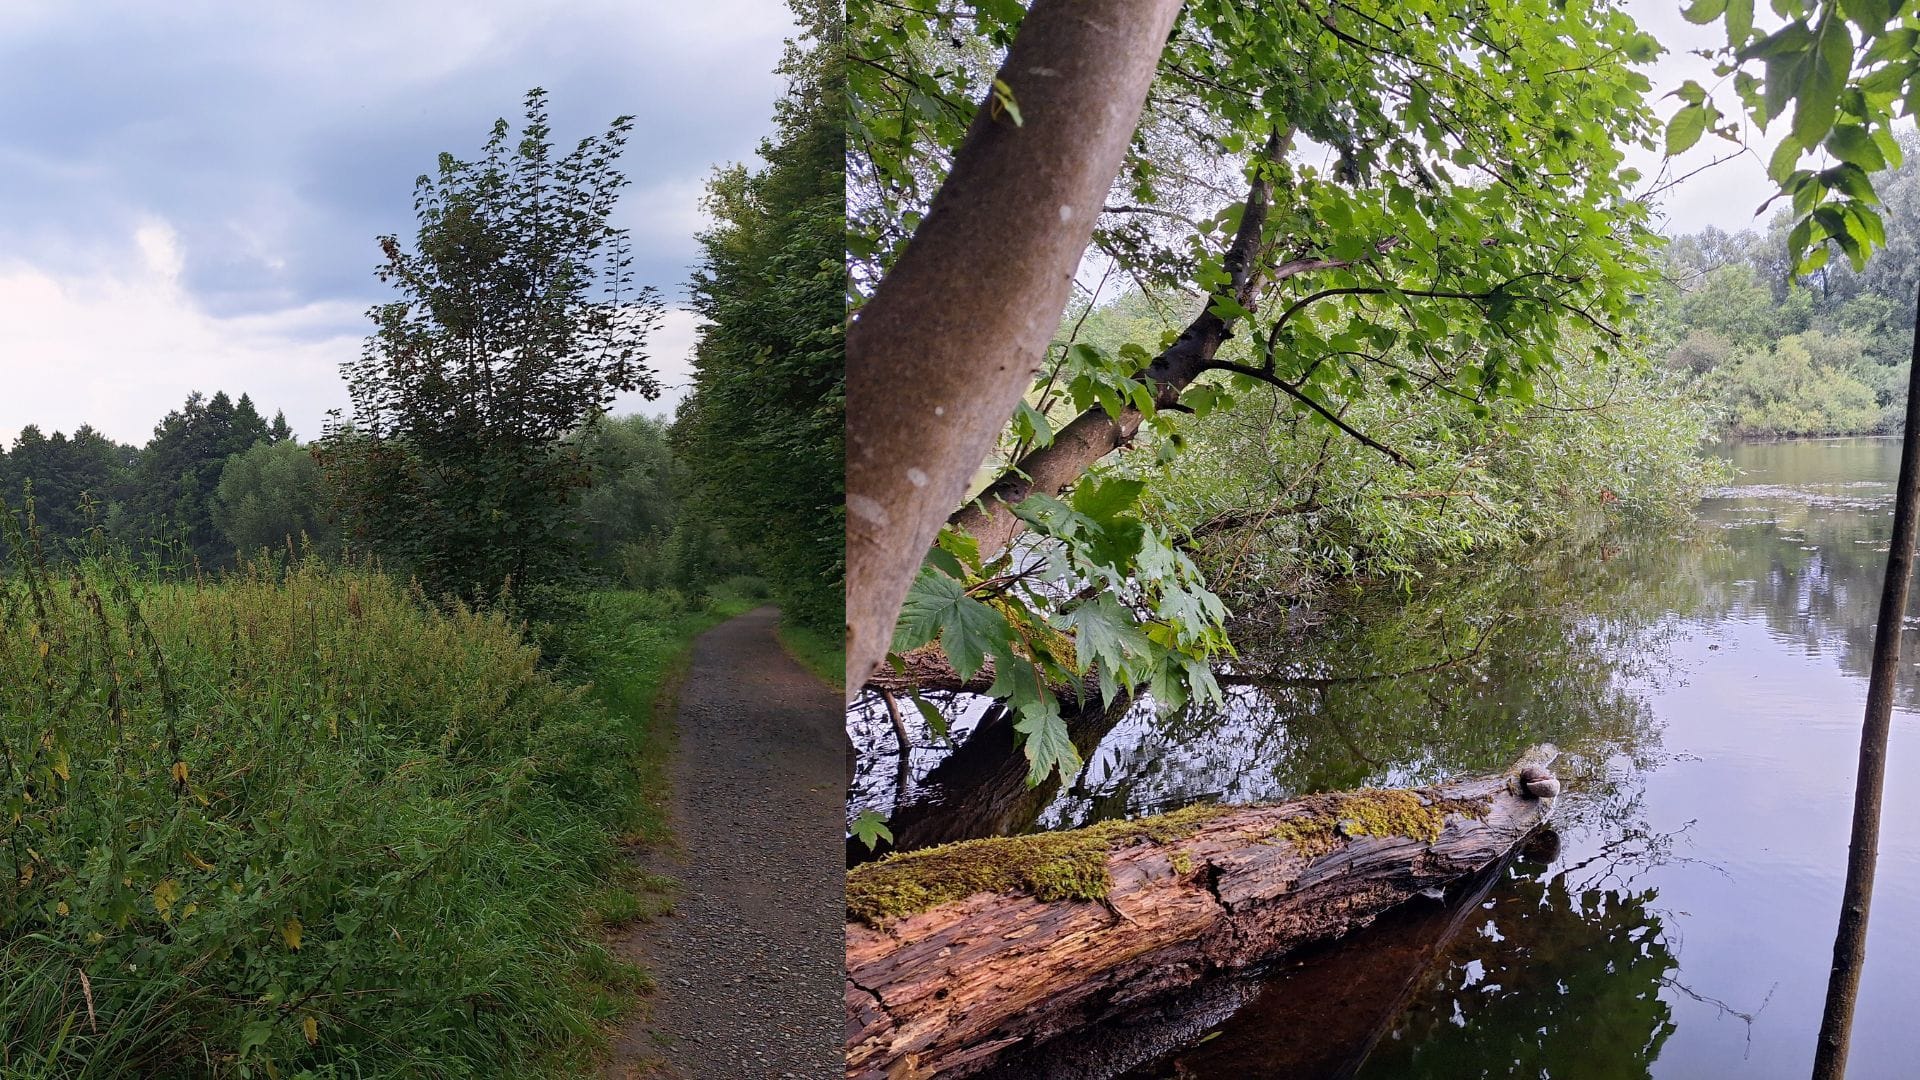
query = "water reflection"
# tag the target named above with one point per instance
(1706, 689)
(1550, 979)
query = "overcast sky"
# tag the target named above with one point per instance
(190, 191)
(1725, 195)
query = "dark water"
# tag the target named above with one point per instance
(1706, 689)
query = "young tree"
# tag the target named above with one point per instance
(518, 321)
(763, 430)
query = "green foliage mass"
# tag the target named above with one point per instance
(764, 427)
(1274, 502)
(1789, 353)
(270, 496)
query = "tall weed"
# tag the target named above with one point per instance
(296, 822)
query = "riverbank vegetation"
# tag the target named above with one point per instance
(1784, 353)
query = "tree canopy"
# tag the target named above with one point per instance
(763, 430)
(518, 322)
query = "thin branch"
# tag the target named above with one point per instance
(1294, 392)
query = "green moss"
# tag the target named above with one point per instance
(1069, 865)
(1182, 863)
(1327, 821)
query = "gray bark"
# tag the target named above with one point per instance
(938, 358)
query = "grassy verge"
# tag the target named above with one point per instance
(823, 654)
(632, 649)
(299, 824)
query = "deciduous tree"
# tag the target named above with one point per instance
(518, 320)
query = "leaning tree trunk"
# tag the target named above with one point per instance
(938, 358)
(1092, 435)
(949, 989)
(1850, 942)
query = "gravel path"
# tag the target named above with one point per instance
(748, 966)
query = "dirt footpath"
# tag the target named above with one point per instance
(748, 966)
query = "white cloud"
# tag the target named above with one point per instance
(119, 344)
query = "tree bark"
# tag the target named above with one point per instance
(1094, 434)
(1319, 1015)
(938, 358)
(1850, 942)
(952, 990)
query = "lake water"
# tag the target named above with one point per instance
(1706, 691)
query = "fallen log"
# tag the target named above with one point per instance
(959, 955)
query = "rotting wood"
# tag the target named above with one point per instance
(950, 990)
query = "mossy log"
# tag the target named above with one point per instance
(961, 954)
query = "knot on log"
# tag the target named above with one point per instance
(1537, 783)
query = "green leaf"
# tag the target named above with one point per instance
(1047, 745)
(1819, 93)
(870, 828)
(938, 606)
(936, 720)
(1105, 499)
(1704, 11)
(1852, 144)
(1850, 181)
(1003, 102)
(1785, 157)
(1739, 22)
(1686, 127)
(1105, 635)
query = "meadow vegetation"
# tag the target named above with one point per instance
(300, 821)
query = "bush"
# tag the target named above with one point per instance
(295, 823)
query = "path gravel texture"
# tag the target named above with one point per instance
(748, 967)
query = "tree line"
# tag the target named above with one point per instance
(218, 483)
(1782, 352)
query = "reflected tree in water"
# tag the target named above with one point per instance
(1554, 981)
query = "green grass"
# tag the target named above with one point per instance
(299, 823)
(824, 654)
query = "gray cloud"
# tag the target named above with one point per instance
(264, 146)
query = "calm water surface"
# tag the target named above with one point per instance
(1706, 690)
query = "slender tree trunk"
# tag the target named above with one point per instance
(1850, 944)
(938, 358)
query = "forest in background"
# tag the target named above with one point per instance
(217, 484)
(1780, 353)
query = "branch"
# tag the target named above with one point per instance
(1294, 392)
